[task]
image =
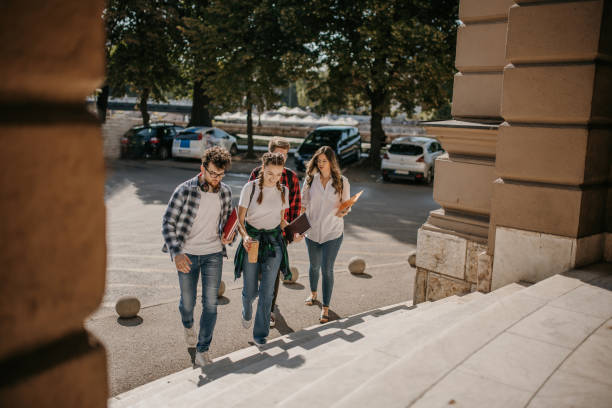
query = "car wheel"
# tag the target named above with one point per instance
(430, 176)
(163, 153)
(234, 150)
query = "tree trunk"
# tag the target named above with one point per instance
(144, 109)
(377, 134)
(250, 152)
(200, 116)
(102, 103)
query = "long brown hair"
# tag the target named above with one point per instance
(336, 174)
(270, 159)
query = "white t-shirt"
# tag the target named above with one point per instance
(204, 235)
(266, 215)
(321, 207)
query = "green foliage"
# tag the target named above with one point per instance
(378, 52)
(142, 51)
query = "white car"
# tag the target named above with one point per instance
(191, 142)
(411, 158)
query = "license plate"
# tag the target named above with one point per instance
(401, 172)
(185, 143)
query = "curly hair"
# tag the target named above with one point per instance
(218, 156)
(312, 168)
(270, 159)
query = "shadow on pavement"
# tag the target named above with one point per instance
(294, 286)
(362, 275)
(130, 322)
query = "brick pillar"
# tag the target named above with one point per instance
(53, 219)
(553, 152)
(452, 245)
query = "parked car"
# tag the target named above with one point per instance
(191, 142)
(150, 141)
(345, 140)
(411, 158)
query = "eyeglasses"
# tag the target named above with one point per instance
(214, 174)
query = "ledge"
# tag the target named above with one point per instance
(465, 138)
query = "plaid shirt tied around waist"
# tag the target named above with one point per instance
(181, 211)
(266, 239)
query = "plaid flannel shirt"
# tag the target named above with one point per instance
(295, 198)
(181, 211)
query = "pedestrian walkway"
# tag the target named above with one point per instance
(545, 345)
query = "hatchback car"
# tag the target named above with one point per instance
(345, 140)
(153, 141)
(191, 142)
(411, 158)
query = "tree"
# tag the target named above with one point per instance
(383, 51)
(243, 51)
(143, 49)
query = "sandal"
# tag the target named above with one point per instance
(324, 317)
(310, 300)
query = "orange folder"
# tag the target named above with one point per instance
(349, 203)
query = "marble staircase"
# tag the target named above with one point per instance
(544, 345)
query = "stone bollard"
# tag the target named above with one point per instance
(295, 274)
(412, 259)
(221, 289)
(356, 265)
(127, 307)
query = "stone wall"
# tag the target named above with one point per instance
(554, 150)
(525, 187)
(119, 122)
(453, 245)
(301, 132)
(53, 231)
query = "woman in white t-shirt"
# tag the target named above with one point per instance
(261, 210)
(325, 188)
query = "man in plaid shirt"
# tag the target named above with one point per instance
(192, 227)
(291, 180)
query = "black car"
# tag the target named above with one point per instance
(345, 140)
(153, 141)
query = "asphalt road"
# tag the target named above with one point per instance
(381, 229)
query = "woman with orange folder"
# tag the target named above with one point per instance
(325, 189)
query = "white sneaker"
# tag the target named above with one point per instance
(246, 323)
(203, 358)
(190, 336)
(259, 346)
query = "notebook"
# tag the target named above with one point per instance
(230, 225)
(298, 226)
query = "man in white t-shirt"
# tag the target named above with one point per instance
(192, 227)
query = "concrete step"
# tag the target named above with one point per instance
(426, 365)
(220, 391)
(276, 382)
(156, 390)
(385, 350)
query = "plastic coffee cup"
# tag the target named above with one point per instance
(253, 251)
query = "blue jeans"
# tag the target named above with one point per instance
(265, 289)
(210, 266)
(322, 257)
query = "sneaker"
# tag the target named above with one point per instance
(202, 358)
(259, 346)
(190, 336)
(246, 323)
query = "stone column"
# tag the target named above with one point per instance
(53, 219)
(553, 153)
(452, 245)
